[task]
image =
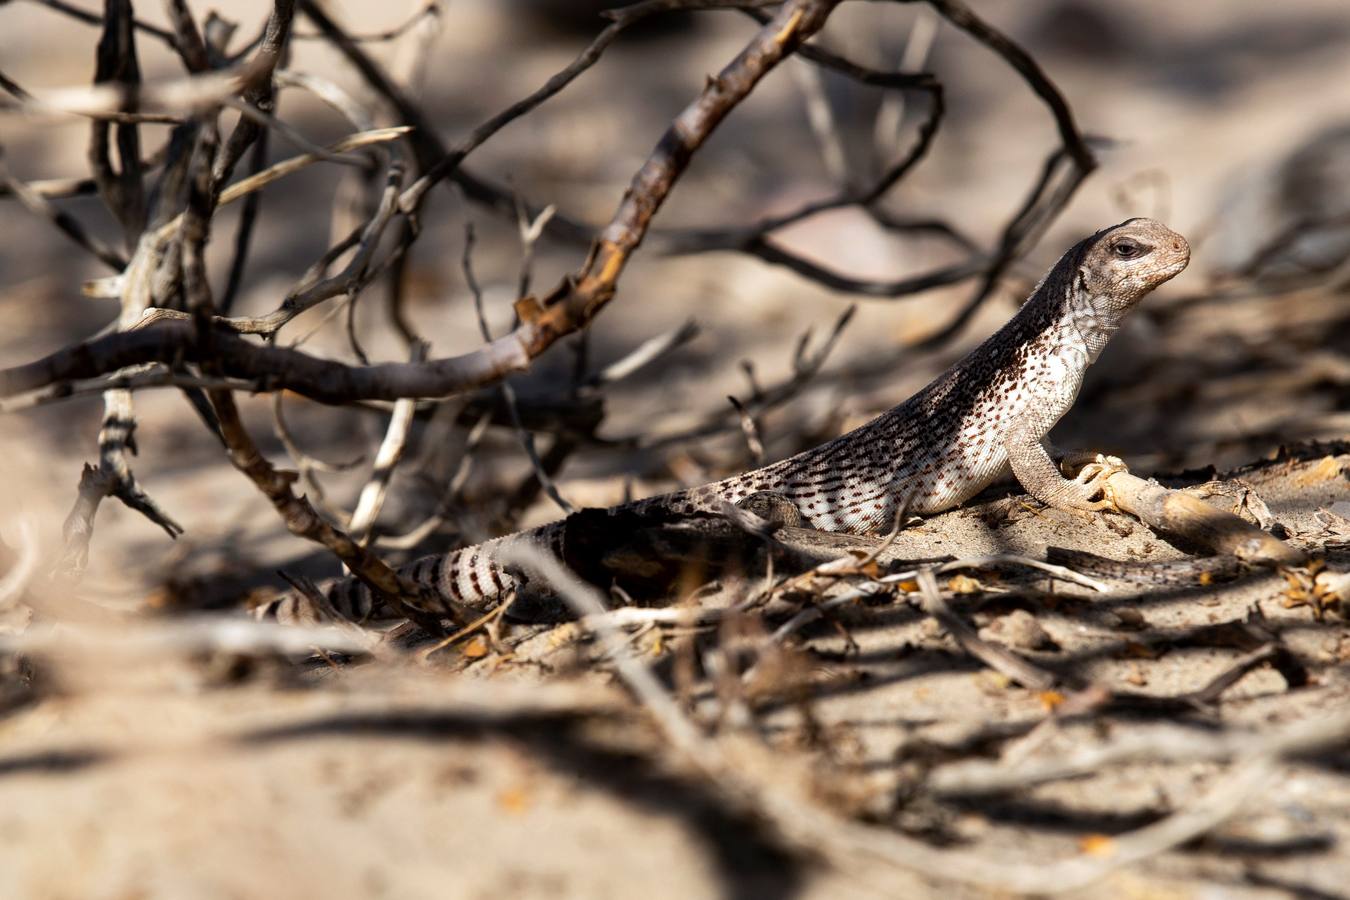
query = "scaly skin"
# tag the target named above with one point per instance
(988, 413)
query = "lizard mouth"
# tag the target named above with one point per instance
(1181, 251)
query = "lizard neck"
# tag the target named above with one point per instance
(1063, 305)
(1092, 328)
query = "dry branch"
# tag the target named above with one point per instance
(997, 658)
(35, 202)
(1200, 523)
(371, 500)
(566, 309)
(743, 777)
(1171, 743)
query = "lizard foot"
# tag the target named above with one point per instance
(1078, 461)
(1099, 468)
(1078, 494)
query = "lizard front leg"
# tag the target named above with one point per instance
(1037, 472)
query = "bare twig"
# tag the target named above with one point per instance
(111, 478)
(259, 93)
(820, 116)
(750, 430)
(621, 18)
(1171, 743)
(454, 484)
(23, 567)
(187, 38)
(428, 11)
(962, 17)
(588, 604)
(508, 393)
(218, 634)
(992, 655)
(371, 499)
(1180, 513)
(644, 355)
(164, 101)
(806, 364)
(891, 112)
(138, 379)
(37, 204)
(1060, 572)
(91, 18)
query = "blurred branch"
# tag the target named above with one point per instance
(1001, 660)
(417, 602)
(621, 18)
(187, 38)
(508, 393)
(39, 205)
(133, 380)
(122, 189)
(22, 565)
(572, 304)
(805, 366)
(428, 10)
(371, 499)
(1170, 744)
(123, 192)
(165, 101)
(260, 92)
(1047, 199)
(92, 18)
(891, 115)
(1019, 234)
(12, 88)
(962, 17)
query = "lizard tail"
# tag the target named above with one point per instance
(465, 580)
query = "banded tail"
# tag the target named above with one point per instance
(464, 579)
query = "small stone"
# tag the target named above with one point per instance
(1020, 630)
(1131, 618)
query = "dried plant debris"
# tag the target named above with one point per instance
(1003, 699)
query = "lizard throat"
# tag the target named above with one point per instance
(1093, 325)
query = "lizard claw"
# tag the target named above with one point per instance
(1099, 468)
(1086, 491)
(1091, 481)
(1081, 461)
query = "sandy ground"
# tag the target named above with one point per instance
(145, 772)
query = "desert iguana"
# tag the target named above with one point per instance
(989, 412)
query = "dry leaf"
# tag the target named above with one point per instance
(1050, 699)
(514, 801)
(1097, 844)
(964, 584)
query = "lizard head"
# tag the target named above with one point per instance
(1120, 265)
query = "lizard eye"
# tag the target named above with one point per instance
(1128, 249)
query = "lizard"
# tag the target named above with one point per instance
(988, 413)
